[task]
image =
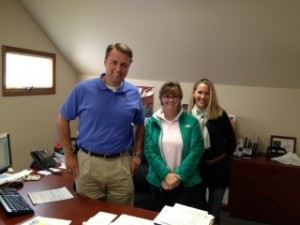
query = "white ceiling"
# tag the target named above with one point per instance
(235, 42)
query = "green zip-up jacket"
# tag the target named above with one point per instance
(193, 148)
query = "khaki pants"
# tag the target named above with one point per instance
(105, 179)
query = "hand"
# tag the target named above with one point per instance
(167, 187)
(72, 165)
(135, 165)
(172, 181)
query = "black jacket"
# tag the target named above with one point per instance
(222, 140)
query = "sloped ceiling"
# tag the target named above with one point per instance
(235, 42)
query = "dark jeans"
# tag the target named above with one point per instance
(213, 204)
(181, 194)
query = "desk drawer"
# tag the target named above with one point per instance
(246, 207)
(266, 191)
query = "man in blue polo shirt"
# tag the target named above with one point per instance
(106, 107)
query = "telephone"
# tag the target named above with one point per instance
(41, 159)
(274, 151)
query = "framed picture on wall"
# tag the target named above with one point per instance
(288, 143)
(147, 94)
(185, 107)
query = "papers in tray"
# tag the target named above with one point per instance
(288, 158)
(183, 215)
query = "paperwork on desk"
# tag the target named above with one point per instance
(131, 220)
(53, 195)
(8, 177)
(176, 215)
(288, 158)
(183, 215)
(38, 220)
(101, 218)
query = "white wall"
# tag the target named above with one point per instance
(30, 120)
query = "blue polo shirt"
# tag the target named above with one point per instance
(105, 117)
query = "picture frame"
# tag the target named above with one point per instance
(289, 143)
(232, 121)
(185, 107)
(147, 95)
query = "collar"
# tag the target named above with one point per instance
(161, 115)
(123, 88)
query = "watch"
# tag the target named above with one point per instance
(137, 154)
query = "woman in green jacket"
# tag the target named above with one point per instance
(173, 148)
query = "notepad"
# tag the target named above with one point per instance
(50, 195)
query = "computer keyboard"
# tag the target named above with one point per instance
(13, 202)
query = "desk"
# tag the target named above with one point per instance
(265, 191)
(77, 209)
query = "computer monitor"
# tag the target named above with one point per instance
(5, 153)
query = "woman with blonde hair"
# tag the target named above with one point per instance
(219, 142)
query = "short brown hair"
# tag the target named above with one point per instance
(170, 88)
(121, 47)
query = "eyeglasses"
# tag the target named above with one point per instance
(170, 97)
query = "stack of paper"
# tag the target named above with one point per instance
(38, 220)
(183, 215)
(288, 158)
(131, 220)
(7, 177)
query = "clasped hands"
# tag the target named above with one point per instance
(171, 181)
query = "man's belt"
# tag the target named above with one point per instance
(108, 155)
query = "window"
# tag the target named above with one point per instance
(27, 72)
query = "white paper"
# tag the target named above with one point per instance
(288, 158)
(62, 166)
(54, 169)
(44, 172)
(183, 215)
(50, 195)
(101, 218)
(46, 221)
(14, 177)
(131, 220)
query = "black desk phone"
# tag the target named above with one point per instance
(274, 151)
(41, 159)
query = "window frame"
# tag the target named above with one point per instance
(27, 91)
